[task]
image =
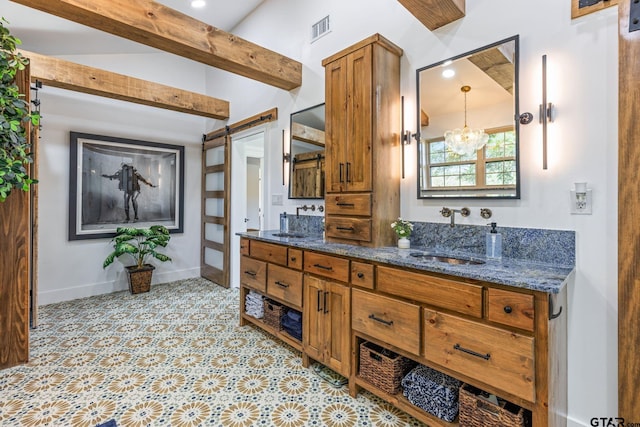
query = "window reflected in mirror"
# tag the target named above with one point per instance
(306, 172)
(467, 109)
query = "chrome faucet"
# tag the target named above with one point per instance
(447, 212)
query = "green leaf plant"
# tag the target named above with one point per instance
(139, 243)
(15, 117)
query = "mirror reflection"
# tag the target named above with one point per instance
(467, 109)
(306, 172)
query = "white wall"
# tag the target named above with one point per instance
(582, 64)
(73, 269)
(583, 146)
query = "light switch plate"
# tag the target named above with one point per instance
(276, 199)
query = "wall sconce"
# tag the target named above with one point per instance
(405, 135)
(580, 199)
(286, 157)
(546, 112)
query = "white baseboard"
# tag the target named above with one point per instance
(92, 289)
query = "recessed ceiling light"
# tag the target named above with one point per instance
(448, 73)
(198, 3)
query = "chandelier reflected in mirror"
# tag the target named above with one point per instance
(465, 141)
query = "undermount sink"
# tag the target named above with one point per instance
(446, 259)
(288, 234)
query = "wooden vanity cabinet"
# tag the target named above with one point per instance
(326, 323)
(507, 341)
(274, 271)
(503, 341)
(362, 151)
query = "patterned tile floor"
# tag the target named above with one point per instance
(172, 357)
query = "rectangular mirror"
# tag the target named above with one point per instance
(468, 131)
(306, 171)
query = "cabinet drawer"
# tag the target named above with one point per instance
(244, 246)
(348, 228)
(450, 294)
(389, 320)
(494, 356)
(268, 252)
(285, 284)
(294, 258)
(327, 266)
(253, 273)
(348, 204)
(510, 308)
(362, 274)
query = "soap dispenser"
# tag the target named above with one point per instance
(284, 223)
(494, 243)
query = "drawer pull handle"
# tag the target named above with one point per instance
(319, 293)
(281, 284)
(325, 303)
(324, 267)
(471, 352)
(346, 228)
(341, 172)
(377, 319)
(293, 259)
(508, 309)
(360, 275)
(250, 273)
(345, 204)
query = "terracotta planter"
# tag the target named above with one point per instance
(140, 278)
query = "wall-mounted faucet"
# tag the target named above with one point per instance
(305, 208)
(447, 212)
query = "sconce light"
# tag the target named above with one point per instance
(580, 199)
(405, 135)
(286, 157)
(546, 112)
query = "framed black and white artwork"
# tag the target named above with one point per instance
(117, 182)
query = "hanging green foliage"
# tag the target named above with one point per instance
(15, 116)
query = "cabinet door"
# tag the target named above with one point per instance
(313, 317)
(335, 125)
(358, 162)
(337, 327)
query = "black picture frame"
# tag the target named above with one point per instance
(118, 182)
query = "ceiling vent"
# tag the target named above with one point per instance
(320, 28)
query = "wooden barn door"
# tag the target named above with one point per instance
(216, 186)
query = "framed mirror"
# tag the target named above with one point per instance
(306, 158)
(468, 127)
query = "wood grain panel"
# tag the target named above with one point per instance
(628, 214)
(387, 319)
(68, 75)
(327, 266)
(156, 25)
(348, 204)
(511, 308)
(449, 294)
(253, 273)
(285, 284)
(269, 252)
(435, 13)
(494, 356)
(15, 247)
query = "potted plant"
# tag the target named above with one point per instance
(15, 116)
(403, 230)
(140, 244)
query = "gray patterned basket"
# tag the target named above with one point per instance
(432, 391)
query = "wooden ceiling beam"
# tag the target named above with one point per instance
(158, 26)
(435, 13)
(63, 74)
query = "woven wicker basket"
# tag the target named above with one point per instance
(273, 313)
(383, 368)
(140, 278)
(478, 412)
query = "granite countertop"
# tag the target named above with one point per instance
(507, 271)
